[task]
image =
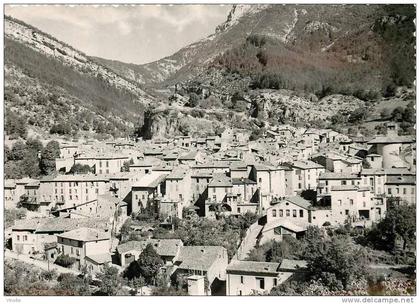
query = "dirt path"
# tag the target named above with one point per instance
(41, 264)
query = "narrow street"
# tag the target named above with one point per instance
(249, 241)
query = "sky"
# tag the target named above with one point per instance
(131, 33)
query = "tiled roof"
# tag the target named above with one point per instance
(75, 178)
(372, 172)
(85, 234)
(177, 174)
(307, 165)
(392, 140)
(252, 266)
(100, 258)
(241, 181)
(57, 224)
(283, 223)
(151, 180)
(338, 175)
(199, 257)
(148, 162)
(346, 188)
(299, 201)
(163, 247)
(189, 156)
(220, 180)
(400, 180)
(398, 171)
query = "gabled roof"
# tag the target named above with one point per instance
(163, 247)
(400, 180)
(199, 257)
(338, 176)
(392, 140)
(58, 224)
(398, 171)
(100, 258)
(282, 222)
(307, 165)
(241, 181)
(220, 180)
(372, 172)
(151, 180)
(148, 162)
(85, 234)
(189, 156)
(253, 267)
(299, 201)
(177, 174)
(75, 178)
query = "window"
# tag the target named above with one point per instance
(364, 204)
(404, 191)
(364, 194)
(275, 282)
(100, 164)
(240, 292)
(71, 197)
(347, 212)
(87, 191)
(412, 190)
(107, 163)
(260, 283)
(389, 191)
(214, 190)
(77, 252)
(299, 185)
(398, 190)
(287, 212)
(300, 213)
(340, 203)
(351, 202)
(274, 211)
(294, 213)
(239, 210)
(326, 183)
(242, 279)
(18, 237)
(260, 179)
(71, 250)
(69, 191)
(343, 182)
(180, 196)
(281, 213)
(107, 171)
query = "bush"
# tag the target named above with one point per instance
(65, 261)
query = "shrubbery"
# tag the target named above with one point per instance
(65, 261)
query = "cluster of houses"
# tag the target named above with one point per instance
(292, 177)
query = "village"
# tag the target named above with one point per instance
(131, 196)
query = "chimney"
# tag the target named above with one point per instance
(391, 129)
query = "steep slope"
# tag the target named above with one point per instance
(323, 38)
(44, 75)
